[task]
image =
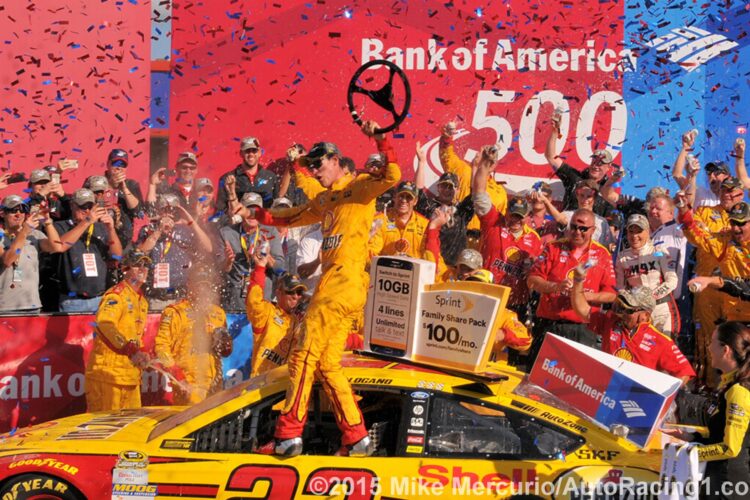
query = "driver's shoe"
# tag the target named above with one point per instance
(283, 447)
(362, 448)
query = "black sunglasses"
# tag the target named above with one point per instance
(86, 206)
(297, 291)
(315, 164)
(250, 150)
(17, 209)
(737, 223)
(576, 227)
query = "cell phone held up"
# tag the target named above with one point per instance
(17, 177)
(108, 199)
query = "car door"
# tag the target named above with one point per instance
(460, 445)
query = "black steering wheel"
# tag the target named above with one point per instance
(383, 96)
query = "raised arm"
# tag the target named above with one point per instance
(678, 169)
(739, 162)
(550, 150)
(577, 295)
(421, 166)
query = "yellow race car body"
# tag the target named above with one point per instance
(436, 434)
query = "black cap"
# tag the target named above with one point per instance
(614, 218)
(740, 212)
(717, 166)
(731, 183)
(449, 177)
(290, 282)
(319, 150)
(518, 206)
(134, 257)
(407, 187)
(118, 154)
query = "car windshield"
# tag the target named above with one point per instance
(207, 404)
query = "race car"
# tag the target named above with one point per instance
(435, 433)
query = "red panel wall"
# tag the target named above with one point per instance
(279, 71)
(74, 83)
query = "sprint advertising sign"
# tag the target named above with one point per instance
(456, 324)
(610, 390)
(448, 324)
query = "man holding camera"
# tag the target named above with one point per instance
(129, 198)
(92, 240)
(21, 242)
(183, 185)
(173, 242)
(250, 177)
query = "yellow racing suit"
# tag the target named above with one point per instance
(706, 310)
(726, 449)
(514, 334)
(112, 381)
(307, 183)
(453, 163)
(390, 239)
(346, 210)
(186, 349)
(732, 258)
(274, 331)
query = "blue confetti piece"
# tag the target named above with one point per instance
(13, 431)
(658, 254)
(270, 61)
(71, 294)
(77, 270)
(553, 363)
(44, 360)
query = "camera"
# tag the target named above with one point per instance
(17, 177)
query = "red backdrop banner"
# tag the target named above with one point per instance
(43, 363)
(75, 83)
(279, 71)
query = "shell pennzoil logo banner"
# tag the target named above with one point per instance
(629, 77)
(609, 390)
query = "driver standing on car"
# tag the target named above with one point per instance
(113, 373)
(346, 211)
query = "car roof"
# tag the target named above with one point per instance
(362, 370)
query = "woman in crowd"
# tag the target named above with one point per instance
(726, 449)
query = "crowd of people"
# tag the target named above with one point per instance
(292, 248)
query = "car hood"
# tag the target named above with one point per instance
(131, 426)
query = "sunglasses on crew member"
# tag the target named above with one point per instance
(316, 163)
(85, 206)
(737, 223)
(250, 150)
(299, 292)
(17, 209)
(576, 227)
(187, 166)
